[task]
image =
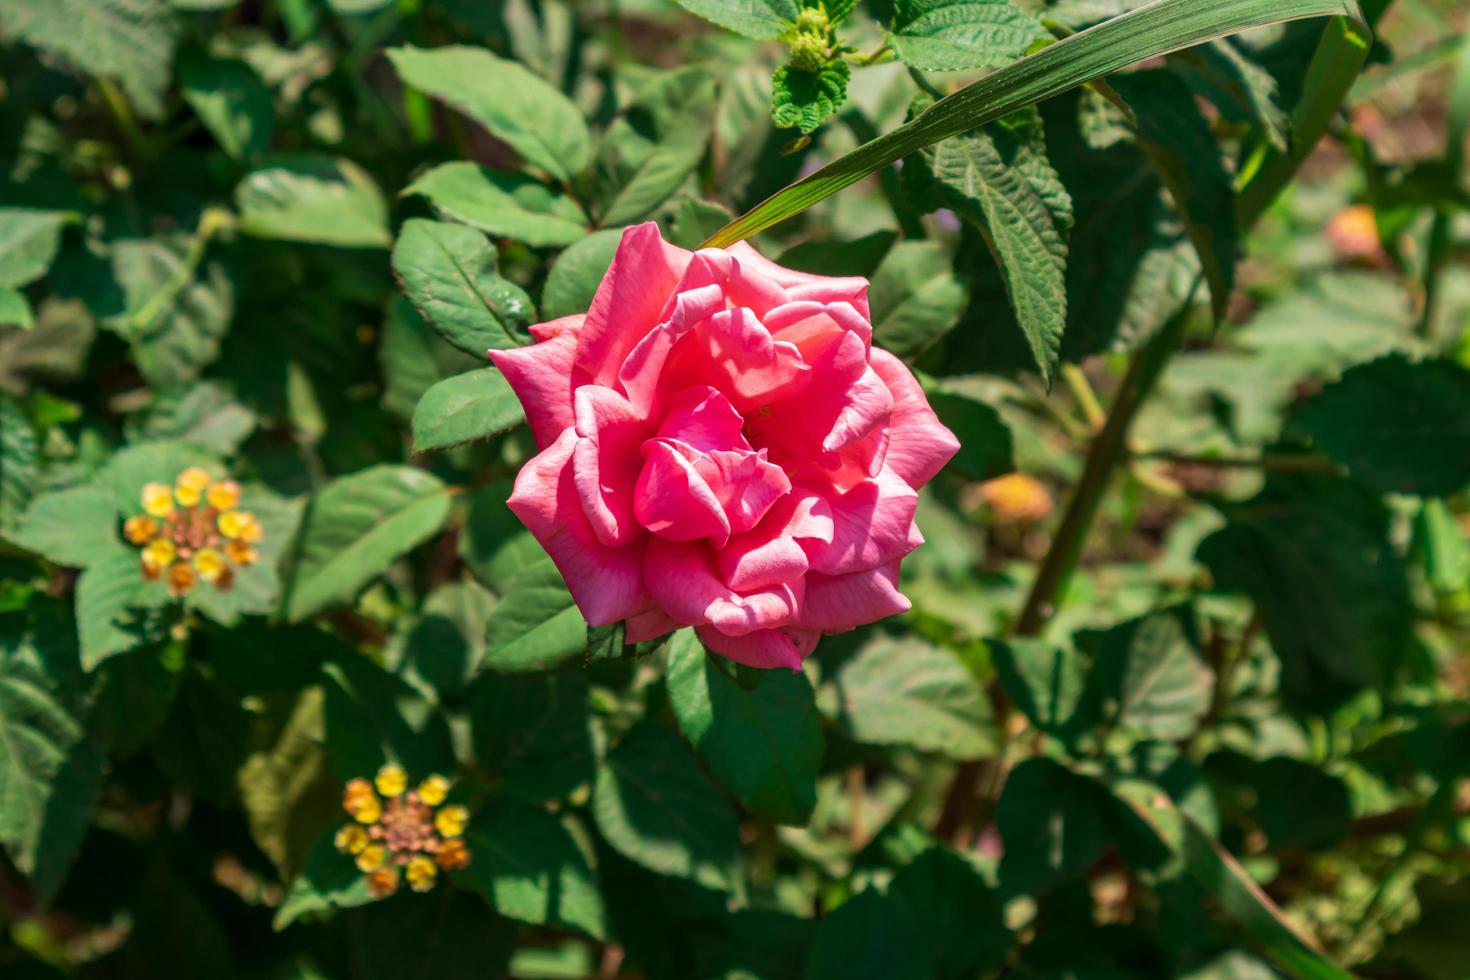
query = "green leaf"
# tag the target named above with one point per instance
(540, 123)
(50, 773)
(916, 298)
(1049, 823)
(1000, 179)
(951, 35)
(356, 527)
(506, 205)
(804, 99)
(126, 472)
(985, 441)
(374, 717)
(1178, 141)
(447, 644)
(28, 241)
(760, 19)
(908, 692)
(15, 309)
(1047, 683)
(286, 789)
(530, 868)
(1314, 554)
(131, 41)
(655, 807)
(868, 937)
(330, 880)
(21, 456)
(315, 199)
(69, 527)
(578, 271)
(1398, 425)
(134, 695)
(232, 102)
(653, 145)
(495, 544)
(112, 601)
(955, 913)
(176, 309)
(532, 731)
(1151, 673)
(536, 624)
(1154, 29)
(474, 405)
(450, 273)
(54, 349)
(204, 414)
(764, 743)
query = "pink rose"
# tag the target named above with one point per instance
(723, 447)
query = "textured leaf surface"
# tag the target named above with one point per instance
(803, 99)
(656, 808)
(760, 19)
(907, 692)
(1151, 671)
(28, 240)
(507, 205)
(451, 273)
(916, 297)
(536, 624)
(540, 123)
(1399, 426)
(531, 869)
(763, 742)
(356, 527)
(950, 35)
(315, 199)
(999, 177)
(469, 406)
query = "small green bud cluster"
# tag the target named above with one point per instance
(809, 42)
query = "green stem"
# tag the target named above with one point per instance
(214, 220)
(1440, 242)
(122, 113)
(1102, 458)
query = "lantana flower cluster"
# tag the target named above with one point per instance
(401, 831)
(193, 531)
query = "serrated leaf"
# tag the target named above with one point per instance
(653, 145)
(1314, 554)
(70, 527)
(656, 808)
(760, 19)
(356, 527)
(908, 692)
(535, 624)
(1240, 87)
(578, 271)
(131, 41)
(231, 100)
(507, 205)
(205, 414)
(764, 743)
(804, 99)
(174, 318)
(916, 298)
(328, 881)
(530, 868)
(999, 177)
(1151, 675)
(1398, 425)
(1178, 141)
(532, 731)
(540, 123)
(113, 600)
(315, 199)
(20, 457)
(952, 35)
(28, 241)
(474, 405)
(450, 273)
(50, 774)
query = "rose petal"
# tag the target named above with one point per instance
(759, 559)
(683, 585)
(643, 372)
(649, 626)
(836, 603)
(783, 647)
(919, 444)
(606, 462)
(605, 582)
(672, 499)
(744, 483)
(541, 377)
(629, 302)
(703, 418)
(571, 323)
(874, 525)
(803, 285)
